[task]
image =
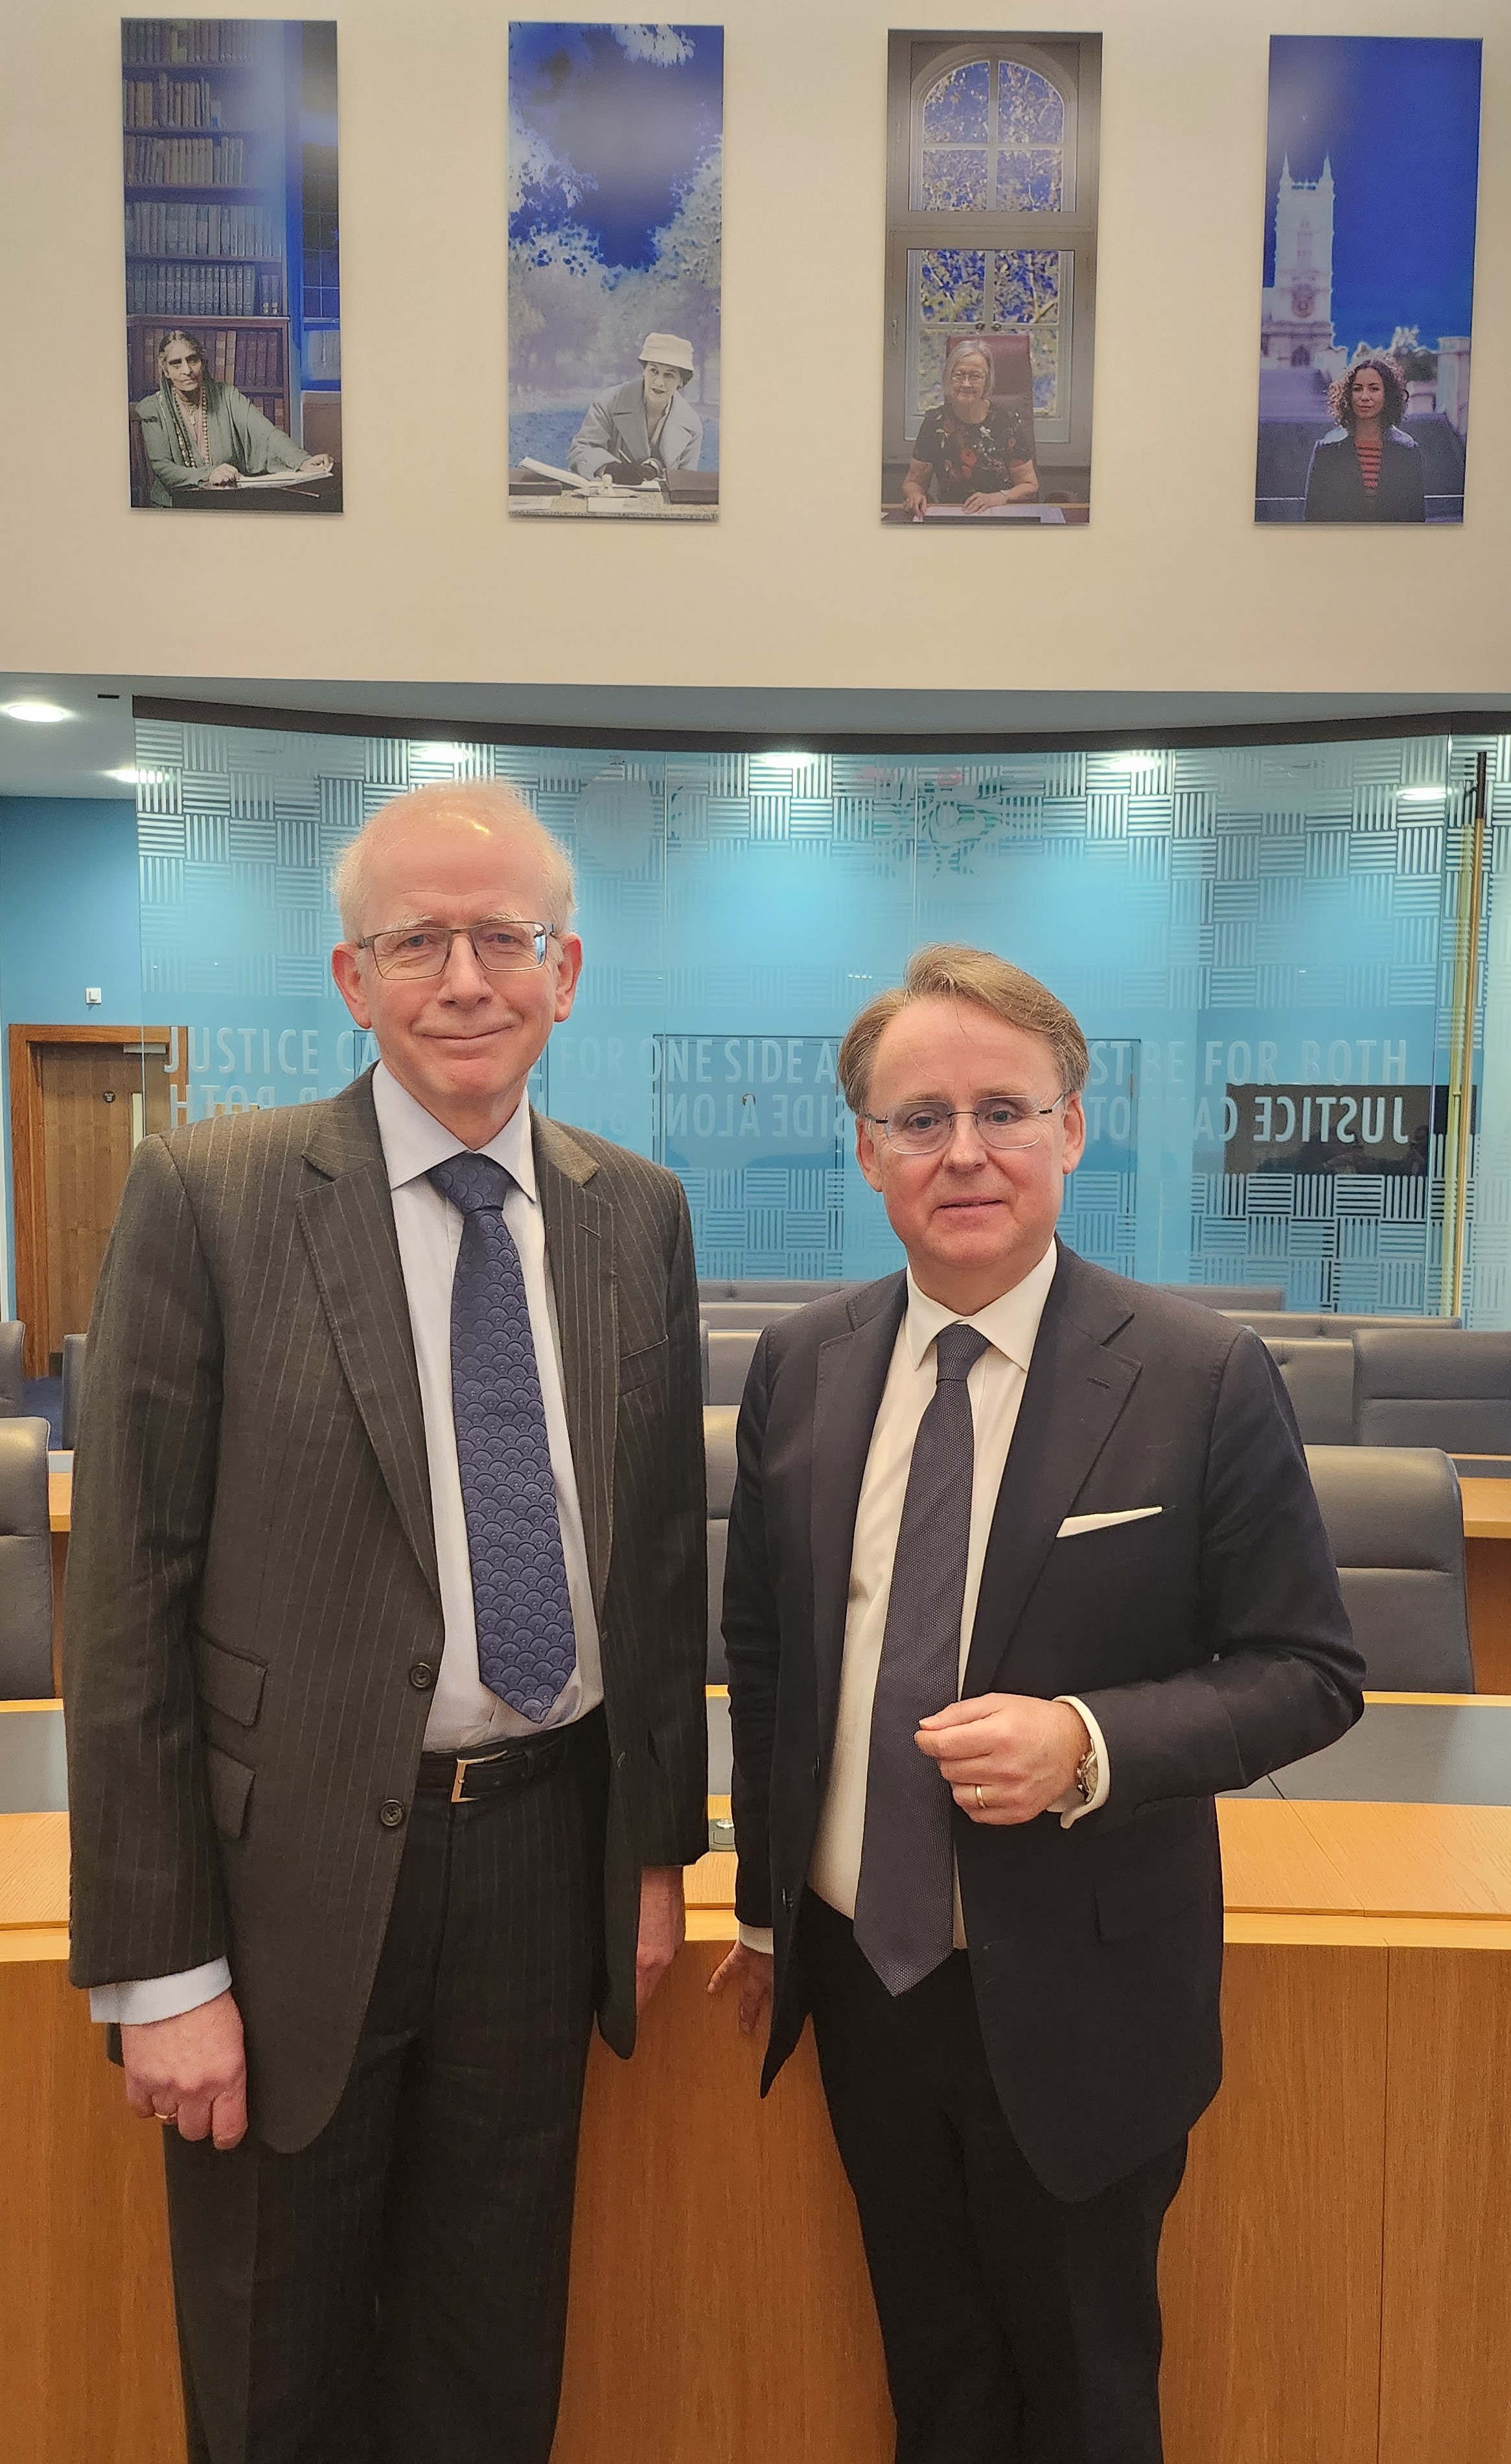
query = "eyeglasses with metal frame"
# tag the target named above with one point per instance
(1004, 1123)
(503, 945)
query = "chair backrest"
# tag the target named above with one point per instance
(1319, 1380)
(781, 1288)
(1415, 1389)
(74, 1350)
(26, 1563)
(1231, 1296)
(1301, 1324)
(746, 1313)
(730, 1349)
(1396, 1522)
(13, 1349)
(718, 1449)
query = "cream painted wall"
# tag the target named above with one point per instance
(1171, 586)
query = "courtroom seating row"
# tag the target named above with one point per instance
(13, 1347)
(1394, 1520)
(1401, 1385)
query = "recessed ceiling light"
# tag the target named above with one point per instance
(42, 714)
(132, 778)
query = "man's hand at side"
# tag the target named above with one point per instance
(750, 1973)
(663, 1928)
(191, 2070)
(1005, 1757)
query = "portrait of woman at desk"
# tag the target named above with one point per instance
(200, 434)
(643, 429)
(1368, 469)
(973, 452)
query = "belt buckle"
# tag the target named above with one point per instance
(464, 1764)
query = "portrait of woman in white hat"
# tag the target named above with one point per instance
(643, 429)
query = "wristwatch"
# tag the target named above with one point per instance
(1088, 1777)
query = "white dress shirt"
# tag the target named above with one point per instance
(995, 1388)
(463, 1712)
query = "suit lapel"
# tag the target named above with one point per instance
(346, 1218)
(851, 1376)
(1074, 1394)
(579, 1247)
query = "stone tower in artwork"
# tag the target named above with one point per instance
(1297, 350)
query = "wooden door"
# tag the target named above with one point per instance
(82, 1099)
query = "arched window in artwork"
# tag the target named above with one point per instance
(989, 137)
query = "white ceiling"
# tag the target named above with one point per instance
(74, 756)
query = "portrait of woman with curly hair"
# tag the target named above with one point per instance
(1367, 468)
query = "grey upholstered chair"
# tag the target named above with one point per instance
(730, 1349)
(74, 1350)
(1414, 1389)
(718, 1445)
(1319, 1380)
(1396, 1524)
(13, 1346)
(1231, 1296)
(26, 1563)
(1299, 1326)
(778, 1289)
(745, 1313)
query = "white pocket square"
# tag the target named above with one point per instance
(1074, 1523)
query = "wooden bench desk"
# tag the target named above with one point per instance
(1334, 2269)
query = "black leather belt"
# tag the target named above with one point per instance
(504, 1769)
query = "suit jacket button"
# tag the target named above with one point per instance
(817, 1767)
(390, 1813)
(422, 1677)
(621, 1759)
(786, 1897)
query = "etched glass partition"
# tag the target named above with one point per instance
(1257, 940)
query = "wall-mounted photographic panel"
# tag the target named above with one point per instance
(1372, 177)
(234, 321)
(991, 278)
(615, 175)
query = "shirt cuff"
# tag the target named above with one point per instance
(159, 1997)
(1070, 1807)
(757, 1938)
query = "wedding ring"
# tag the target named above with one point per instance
(167, 2119)
(979, 1798)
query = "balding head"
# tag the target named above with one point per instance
(477, 808)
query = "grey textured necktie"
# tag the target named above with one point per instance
(526, 1640)
(904, 1902)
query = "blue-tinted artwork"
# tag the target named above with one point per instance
(1371, 180)
(234, 321)
(1241, 933)
(615, 203)
(992, 243)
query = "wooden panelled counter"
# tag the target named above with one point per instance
(1335, 2268)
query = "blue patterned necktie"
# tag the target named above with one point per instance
(526, 1641)
(905, 1897)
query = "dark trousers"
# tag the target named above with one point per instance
(1018, 2328)
(396, 2291)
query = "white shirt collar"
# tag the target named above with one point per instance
(414, 1141)
(1009, 1324)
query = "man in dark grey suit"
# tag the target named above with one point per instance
(385, 1634)
(1025, 1566)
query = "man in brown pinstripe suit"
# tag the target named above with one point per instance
(350, 1889)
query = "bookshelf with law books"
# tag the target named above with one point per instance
(204, 117)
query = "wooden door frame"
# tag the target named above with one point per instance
(28, 1170)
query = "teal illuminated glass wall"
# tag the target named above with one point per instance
(1258, 941)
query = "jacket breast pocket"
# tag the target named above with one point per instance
(228, 1681)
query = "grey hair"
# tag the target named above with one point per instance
(486, 801)
(972, 351)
